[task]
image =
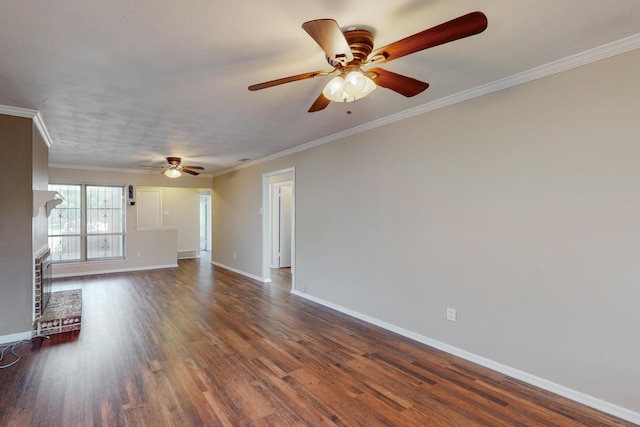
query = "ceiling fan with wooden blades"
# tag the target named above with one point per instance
(174, 169)
(347, 52)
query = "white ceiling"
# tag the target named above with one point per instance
(122, 84)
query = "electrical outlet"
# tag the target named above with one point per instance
(451, 314)
(234, 255)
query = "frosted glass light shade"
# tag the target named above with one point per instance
(354, 85)
(172, 173)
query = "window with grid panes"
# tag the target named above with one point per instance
(89, 224)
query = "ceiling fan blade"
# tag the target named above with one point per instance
(406, 86)
(189, 171)
(320, 104)
(327, 33)
(194, 167)
(288, 79)
(464, 26)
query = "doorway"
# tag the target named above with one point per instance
(278, 225)
(281, 225)
(205, 220)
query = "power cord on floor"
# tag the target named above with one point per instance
(11, 347)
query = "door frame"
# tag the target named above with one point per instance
(267, 209)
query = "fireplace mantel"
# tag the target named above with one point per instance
(48, 199)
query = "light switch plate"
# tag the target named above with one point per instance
(451, 314)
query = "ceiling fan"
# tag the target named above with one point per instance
(347, 52)
(174, 170)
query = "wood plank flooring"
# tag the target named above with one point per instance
(202, 346)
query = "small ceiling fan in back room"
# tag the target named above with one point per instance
(347, 52)
(174, 170)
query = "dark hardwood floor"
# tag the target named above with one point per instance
(199, 345)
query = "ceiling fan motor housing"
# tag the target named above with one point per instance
(361, 44)
(174, 161)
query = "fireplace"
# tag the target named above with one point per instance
(42, 282)
(54, 312)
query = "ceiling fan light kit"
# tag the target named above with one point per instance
(354, 85)
(352, 49)
(174, 170)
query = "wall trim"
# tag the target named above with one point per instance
(11, 338)
(39, 121)
(244, 273)
(112, 270)
(585, 399)
(583, 58)
(152, 171)
(30, 114)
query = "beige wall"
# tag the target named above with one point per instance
(521, 209)
(16, 271)
(145, 249)
(236, 199)
(181, 209)
(21, 233)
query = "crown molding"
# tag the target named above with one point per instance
(39, 121)
(18, 112)
(101, 169)
(116, 170)
(573, 61)
(583, 58)
(30, 114)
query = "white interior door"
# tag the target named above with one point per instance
(205, 222)
(284, 238)
(281, 217)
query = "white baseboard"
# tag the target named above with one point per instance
(542, 383)
(5, 339)
(113, 270)
(244, 273)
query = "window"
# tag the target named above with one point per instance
(89, 224)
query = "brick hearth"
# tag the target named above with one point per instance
(63, 313)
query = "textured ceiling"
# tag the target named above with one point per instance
(122, 84)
